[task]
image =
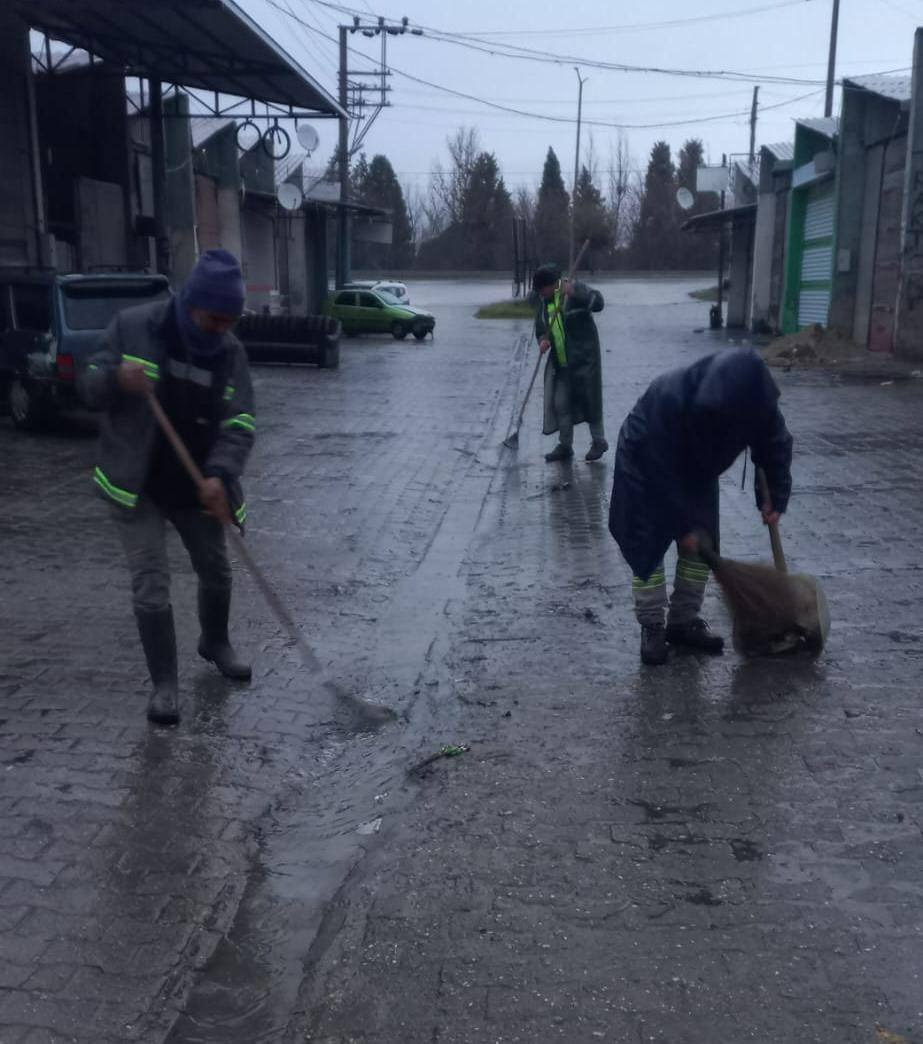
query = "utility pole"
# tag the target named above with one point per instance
(573, 201)
(831, 61)
(753, 108)
(343, 224)
(370, 29)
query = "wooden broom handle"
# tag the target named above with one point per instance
(775, 539)
(175, 441)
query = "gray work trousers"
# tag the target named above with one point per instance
(562, 412)
(688, 593)
(143, 534)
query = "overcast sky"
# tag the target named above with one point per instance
(769, 41)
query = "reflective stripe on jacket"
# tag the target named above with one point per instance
(128, 429)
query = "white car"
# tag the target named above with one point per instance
(399, 290)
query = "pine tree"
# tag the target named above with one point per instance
(591, 219)
(375, 184)
(552, 219)
(656, 240)
(698, 249)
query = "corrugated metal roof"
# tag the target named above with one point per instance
(826, 125)
(211, 44)
(897, 88)
(782, 150)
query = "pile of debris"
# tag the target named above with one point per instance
(813, 346)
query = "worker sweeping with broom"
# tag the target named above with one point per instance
(566, 331)
(686, 430)
(182, 350)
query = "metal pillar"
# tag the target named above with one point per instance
(344, 262)
(159, 179)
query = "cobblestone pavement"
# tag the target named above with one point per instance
(712, 851)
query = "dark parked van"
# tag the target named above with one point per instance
(50, 324)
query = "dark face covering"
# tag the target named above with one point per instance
(200, 342)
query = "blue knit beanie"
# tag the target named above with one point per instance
(216, 284)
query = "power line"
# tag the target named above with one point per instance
(475, 43)
(549, 118)
(636, 27)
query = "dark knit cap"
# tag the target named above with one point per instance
(546, 275)
(216, 284)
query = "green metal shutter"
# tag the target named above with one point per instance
(816, 257)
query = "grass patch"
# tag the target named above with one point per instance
(514, 309)
(710, 293)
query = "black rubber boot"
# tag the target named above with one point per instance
(214, 645)
(695, 634)
(158, 638)
(559, 453)
(597, 449)
(653, 645)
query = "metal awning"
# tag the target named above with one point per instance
(210, 45)
(716, 218)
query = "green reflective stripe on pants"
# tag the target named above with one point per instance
(150, 368)
(229, 393)
(120, 496)
(242, 420)
(240, 514)
(657, 579)
(692, 571)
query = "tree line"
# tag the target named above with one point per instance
(463, 219)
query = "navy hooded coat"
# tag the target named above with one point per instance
(686, 430)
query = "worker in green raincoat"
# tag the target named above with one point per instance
(566, 331)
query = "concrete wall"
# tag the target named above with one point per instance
(218, 159)
(867, 119)
(763, 242)
(740, 273)
(908, 339)
(21, 214)
(258, 255)
(180, 188)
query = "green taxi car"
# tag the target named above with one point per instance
(377, 311)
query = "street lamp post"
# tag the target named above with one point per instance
(573, 200)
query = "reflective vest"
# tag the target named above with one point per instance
(555, 314)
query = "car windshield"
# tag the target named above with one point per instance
(388, 297)
(91, 306)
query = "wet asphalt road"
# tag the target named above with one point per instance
(710, 851)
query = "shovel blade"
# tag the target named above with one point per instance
(512, 441)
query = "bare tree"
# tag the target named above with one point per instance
(416, 211)
(524, 204)
(450, 186)
(622, 207)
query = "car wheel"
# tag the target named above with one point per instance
(420, 332)
(399, 331)
(28, 408)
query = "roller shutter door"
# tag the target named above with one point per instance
(816, 257)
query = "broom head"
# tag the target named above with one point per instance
(773, 612)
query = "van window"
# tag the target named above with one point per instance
(32, 307)
(91, 306)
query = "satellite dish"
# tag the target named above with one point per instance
(685, 198)
(308, 138)
(289, 196)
